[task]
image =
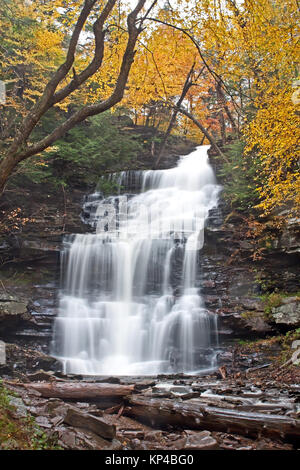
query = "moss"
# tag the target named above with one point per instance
(274, 300)
(286, 343)
(21, 433)
(247, 315)
(248, 342)
(289, 337)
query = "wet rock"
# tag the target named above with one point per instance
(200, 441)
(20, 359)
(132, 434)
(48, 362)
(144, 384)
(288, 313)
(179, 389)
(153, 435)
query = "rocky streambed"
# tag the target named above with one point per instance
(234, 408)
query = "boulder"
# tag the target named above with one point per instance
(288, 313)
(12, 312)
(243, 324)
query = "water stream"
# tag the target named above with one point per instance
(131, 297)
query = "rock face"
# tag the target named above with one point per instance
(288, 313)
(290, 238)
(25, 360)
(12, 312)
(232, 282)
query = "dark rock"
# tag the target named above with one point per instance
(290, 238)
(20, 359)
(97, 425)
(12, 313)
(243, 324)
(144, 384)
(40, 375)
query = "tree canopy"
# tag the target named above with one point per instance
(215, 72)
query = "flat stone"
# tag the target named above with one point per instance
(68, 438)
(43, 422)
(202, 440)
(5, 297)
(20, 408)
(84, 420)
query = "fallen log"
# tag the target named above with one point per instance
(157, 412)
(80, 390)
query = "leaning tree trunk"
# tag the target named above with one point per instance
(7, 165)
(20, 149)
(207, 134)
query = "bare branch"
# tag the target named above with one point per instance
(209, 137)
(97, 59)
(42, 104)
(97, 108)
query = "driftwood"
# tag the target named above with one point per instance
(186, 415)
(80, 390)
(84, 420)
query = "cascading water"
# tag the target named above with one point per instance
(131, 303)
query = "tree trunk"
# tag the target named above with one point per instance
(7, 166)
(209, 137)
(196, 415)
(187, 85)
(80, 390)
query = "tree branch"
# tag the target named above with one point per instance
(97, 108)
(187, 85)
(209, 137)
(99, 35)
(42, 104)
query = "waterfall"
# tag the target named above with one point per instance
(131, 297)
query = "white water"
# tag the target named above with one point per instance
(131, 302)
